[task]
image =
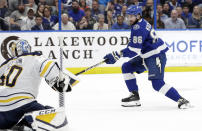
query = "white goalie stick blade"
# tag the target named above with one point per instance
(131, 104)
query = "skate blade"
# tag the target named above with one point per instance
(186, 106)
(131, 104)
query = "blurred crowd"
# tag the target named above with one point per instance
(179, 14)
(96, 14)
(28, 14)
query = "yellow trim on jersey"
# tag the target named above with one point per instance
(15, 98)
(47, 117)
(45, 68)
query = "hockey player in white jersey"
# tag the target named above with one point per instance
(20, 77)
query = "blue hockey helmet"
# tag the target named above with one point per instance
(134, 10)
(20, 47)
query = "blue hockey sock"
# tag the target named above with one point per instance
(173, 94)
(167, 90)
(130, 80)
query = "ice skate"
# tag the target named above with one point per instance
(183, 104)
(131, 101)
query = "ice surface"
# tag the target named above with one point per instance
(95, 104)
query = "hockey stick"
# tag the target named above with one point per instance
(61, 94)
(83, 71)
(89, 68)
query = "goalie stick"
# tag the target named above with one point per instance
(61, 94)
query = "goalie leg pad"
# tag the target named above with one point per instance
(49, 119)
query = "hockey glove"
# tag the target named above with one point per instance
(60, 85)
(112, 57)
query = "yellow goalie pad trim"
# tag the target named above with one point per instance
(46, 68)
(15, 98)
(47, 117)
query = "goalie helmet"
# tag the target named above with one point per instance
(19, 47)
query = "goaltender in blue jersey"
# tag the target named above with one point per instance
(147, 52)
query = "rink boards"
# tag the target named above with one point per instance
(85, 48)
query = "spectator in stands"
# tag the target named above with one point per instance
(40, 9)
(191, 4)
(66, 24)
(83, 25)
(56, 11)
(166, 9)
(54, 7)
(159, 23)
(161, 2)
(17, 16)
(89, 3)
(118, 6)
(76, 13)
(100, 25)
(174, 22)
(13, 5)
(82, 4)
(42, 2)
(51, 2)
(120, 25)
(179, 12)
(123, 13)
(173, 4)
(186, 14)
(110, 20)
(29, 21)
(149, 3)
(161, 15)
(48, 18)
(31, 4)
(67, 4)
(95, 9)
(110, 14)
(102, 5)
(200, 10)
(194, 20)
(39, 25)
(3, 13)
(91, 20)
(136, 2)
(148, 12)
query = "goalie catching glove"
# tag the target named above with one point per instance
(61, 81)
(111, 58)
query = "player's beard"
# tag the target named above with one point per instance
(75, 10)
(134, 22)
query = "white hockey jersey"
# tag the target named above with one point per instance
(22, 77)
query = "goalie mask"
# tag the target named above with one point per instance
(19, 47)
